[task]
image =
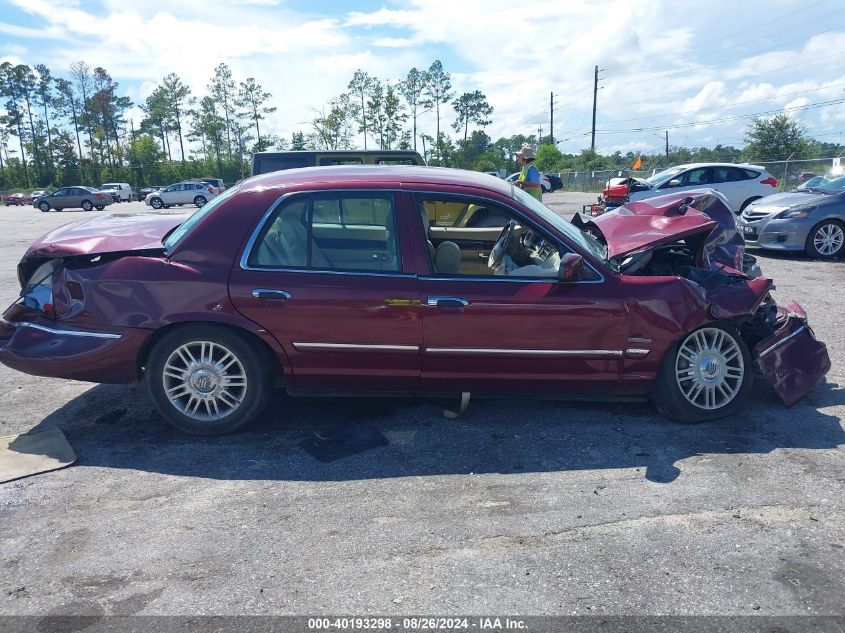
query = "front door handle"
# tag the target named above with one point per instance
(269, 293)
(447, 302)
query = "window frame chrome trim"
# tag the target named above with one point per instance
(253, 238)
(59, 332)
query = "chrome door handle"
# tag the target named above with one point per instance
(269, 293)
(447, 302)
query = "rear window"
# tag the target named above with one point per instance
(266, 164)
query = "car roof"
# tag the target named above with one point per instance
(404, 176)
(689, 165)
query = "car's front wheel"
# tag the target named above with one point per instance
(44, 207)
(86, 205)
(156, 203)
(100, 207)
(707, 375)
(826, 240)
(206, 380)
(200, 201)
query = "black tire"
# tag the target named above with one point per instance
(834, 227)
(43, 207)
(255, 369)
(200, 201)
(747, 202)
(666, 391)
(100, 207)
(544, 188)
(86, 205)
(156, 203)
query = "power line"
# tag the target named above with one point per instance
(737, 117)
(730, 105)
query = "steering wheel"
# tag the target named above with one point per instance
(503, 245)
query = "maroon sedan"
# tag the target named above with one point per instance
(406, 279)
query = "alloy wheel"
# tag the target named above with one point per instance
(709, 368)
(204, 380)
(828, 239)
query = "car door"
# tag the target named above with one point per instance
(506, 334)
(170, 195)
(75, 196)
(58, 198)
(323, 273)
(733, 183)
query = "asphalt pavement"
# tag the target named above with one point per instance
(518, 506)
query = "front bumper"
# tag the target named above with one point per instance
(35, 345)
(791, 359)
(769, 232)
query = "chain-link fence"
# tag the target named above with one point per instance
(788, 173)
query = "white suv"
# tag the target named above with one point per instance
(188, 192)
(740, 184)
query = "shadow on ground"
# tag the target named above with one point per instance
(364, 438)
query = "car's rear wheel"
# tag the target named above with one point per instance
(156, 203)
(826, 240)
(206, 380)
(44, 207)
(705, 376)
(200, 201)
(86, 205)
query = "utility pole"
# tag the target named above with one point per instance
(667, 148)
(595, 95)
(552, 117)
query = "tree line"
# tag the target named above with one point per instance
(75, 130)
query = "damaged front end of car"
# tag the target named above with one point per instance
(693, 237)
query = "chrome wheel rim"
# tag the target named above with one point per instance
(204, 380)
(199, 201)
(828, 239)
(709, 368)
(155, 203)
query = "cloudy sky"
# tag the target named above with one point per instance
(698, 70)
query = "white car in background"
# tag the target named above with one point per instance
(545, 185)
(188, 192)
(740, 184)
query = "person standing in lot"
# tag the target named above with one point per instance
(529, 177)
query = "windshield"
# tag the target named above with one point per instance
(663, 176)
(585, 241)
(180, 231)
(837, 185)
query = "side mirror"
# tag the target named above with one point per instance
(571, 268)
(674, 183)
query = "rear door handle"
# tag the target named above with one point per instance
(447, 302)
(269, 293)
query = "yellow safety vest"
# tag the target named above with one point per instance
(523, 175)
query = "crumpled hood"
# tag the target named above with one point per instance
(106, 234)
(653, 222)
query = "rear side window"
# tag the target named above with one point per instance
(396, 161)
(334, 160)
(729, 174)
(750, 173)
(266, 164)
(347, 231)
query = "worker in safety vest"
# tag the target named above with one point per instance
(529, 177)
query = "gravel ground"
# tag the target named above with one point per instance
(523, 507)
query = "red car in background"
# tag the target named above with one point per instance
(407, 279)
(17, 200)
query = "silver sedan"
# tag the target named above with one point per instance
(811, 219)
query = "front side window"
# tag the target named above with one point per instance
(469, 237)
(344, 231)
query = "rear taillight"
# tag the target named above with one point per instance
(211, 190)
(769, 181)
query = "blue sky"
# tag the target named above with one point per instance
(698, 73)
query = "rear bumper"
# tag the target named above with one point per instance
(38, 346)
